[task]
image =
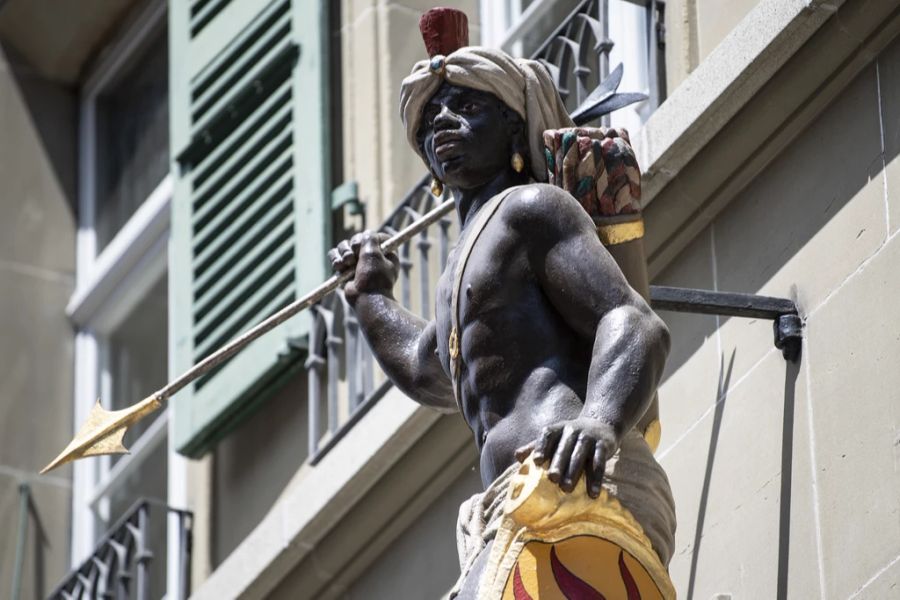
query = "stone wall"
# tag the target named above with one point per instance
(786, 476)
(37, 265)
(422, 562)
(694, 28)
(252, 466)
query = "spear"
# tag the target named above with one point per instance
(103, 430)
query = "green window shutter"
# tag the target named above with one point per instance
(251, 203)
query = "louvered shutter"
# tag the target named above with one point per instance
(250, 218)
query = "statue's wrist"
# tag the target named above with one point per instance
(372, 297)
(603, 421)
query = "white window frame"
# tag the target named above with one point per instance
(504, 23)
(109, 285)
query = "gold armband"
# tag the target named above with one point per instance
(653, 434)
(619, 233)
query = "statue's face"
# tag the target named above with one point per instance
(466, 135)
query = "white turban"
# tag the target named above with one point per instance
(523, 85)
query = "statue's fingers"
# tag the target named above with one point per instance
(340, 261)
(584, 447)
(596, 471)
(523, 452)
(382, 237)
(546, 444)
(334, 257)
(348, 258)
(358, 240)
(563, 454)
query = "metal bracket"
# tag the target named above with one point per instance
(347, 194)
(787, 324)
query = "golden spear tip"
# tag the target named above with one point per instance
(103, 431)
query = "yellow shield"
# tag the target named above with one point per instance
(554, 545)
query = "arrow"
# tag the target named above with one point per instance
(104, 430)
(604, 99)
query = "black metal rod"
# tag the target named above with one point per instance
(728, 304)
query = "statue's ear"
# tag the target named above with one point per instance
(518, 133)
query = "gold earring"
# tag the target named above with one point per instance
(518, 163)
(437, 188)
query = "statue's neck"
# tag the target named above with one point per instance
(468, 201)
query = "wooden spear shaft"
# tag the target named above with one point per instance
(103, 431)
(316, 295)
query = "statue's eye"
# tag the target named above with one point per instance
(429, 114)
(468, 108)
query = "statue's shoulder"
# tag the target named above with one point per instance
(543, 207)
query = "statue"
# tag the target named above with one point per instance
(538, 340)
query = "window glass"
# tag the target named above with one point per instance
(138, 359)
(132, 139)
(541, 30)
(137, 366)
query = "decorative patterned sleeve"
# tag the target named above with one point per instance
(598, 167)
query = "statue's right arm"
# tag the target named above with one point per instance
(404, 344)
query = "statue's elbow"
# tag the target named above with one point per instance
(662, 335)
(659, 340)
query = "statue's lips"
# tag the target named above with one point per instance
(448, 150)
(447, 145)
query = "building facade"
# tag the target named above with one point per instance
(174, 172)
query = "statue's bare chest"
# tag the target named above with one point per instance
(492, 276)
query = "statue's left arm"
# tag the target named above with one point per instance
(630, 342)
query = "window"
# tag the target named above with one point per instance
(132, 138)
(521, 26)
(120, 303)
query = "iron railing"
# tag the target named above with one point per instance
(344, 380)
(119, 567)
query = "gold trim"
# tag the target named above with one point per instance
(536, 509)
(653, 434)
(453, 344)
(619, 233)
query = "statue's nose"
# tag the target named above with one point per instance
(446, 119)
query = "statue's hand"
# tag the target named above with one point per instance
(375, 272)
(572, 447)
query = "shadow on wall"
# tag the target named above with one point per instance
(787, 460)
(722, 395)
(54, 116)
(792, 369)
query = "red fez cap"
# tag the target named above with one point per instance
(444, 30)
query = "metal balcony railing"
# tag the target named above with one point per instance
(119, 568)
(344, 380)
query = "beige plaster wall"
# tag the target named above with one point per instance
(37, 249)
(787, 477)
(422, 562)
(694, 28)
(380, 43)
(253, 464)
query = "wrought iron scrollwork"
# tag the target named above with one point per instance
(119, 567)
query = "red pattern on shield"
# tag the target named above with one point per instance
(519, 590)
(630, 584)
(571, 585)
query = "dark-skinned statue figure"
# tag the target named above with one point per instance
(538, 340)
